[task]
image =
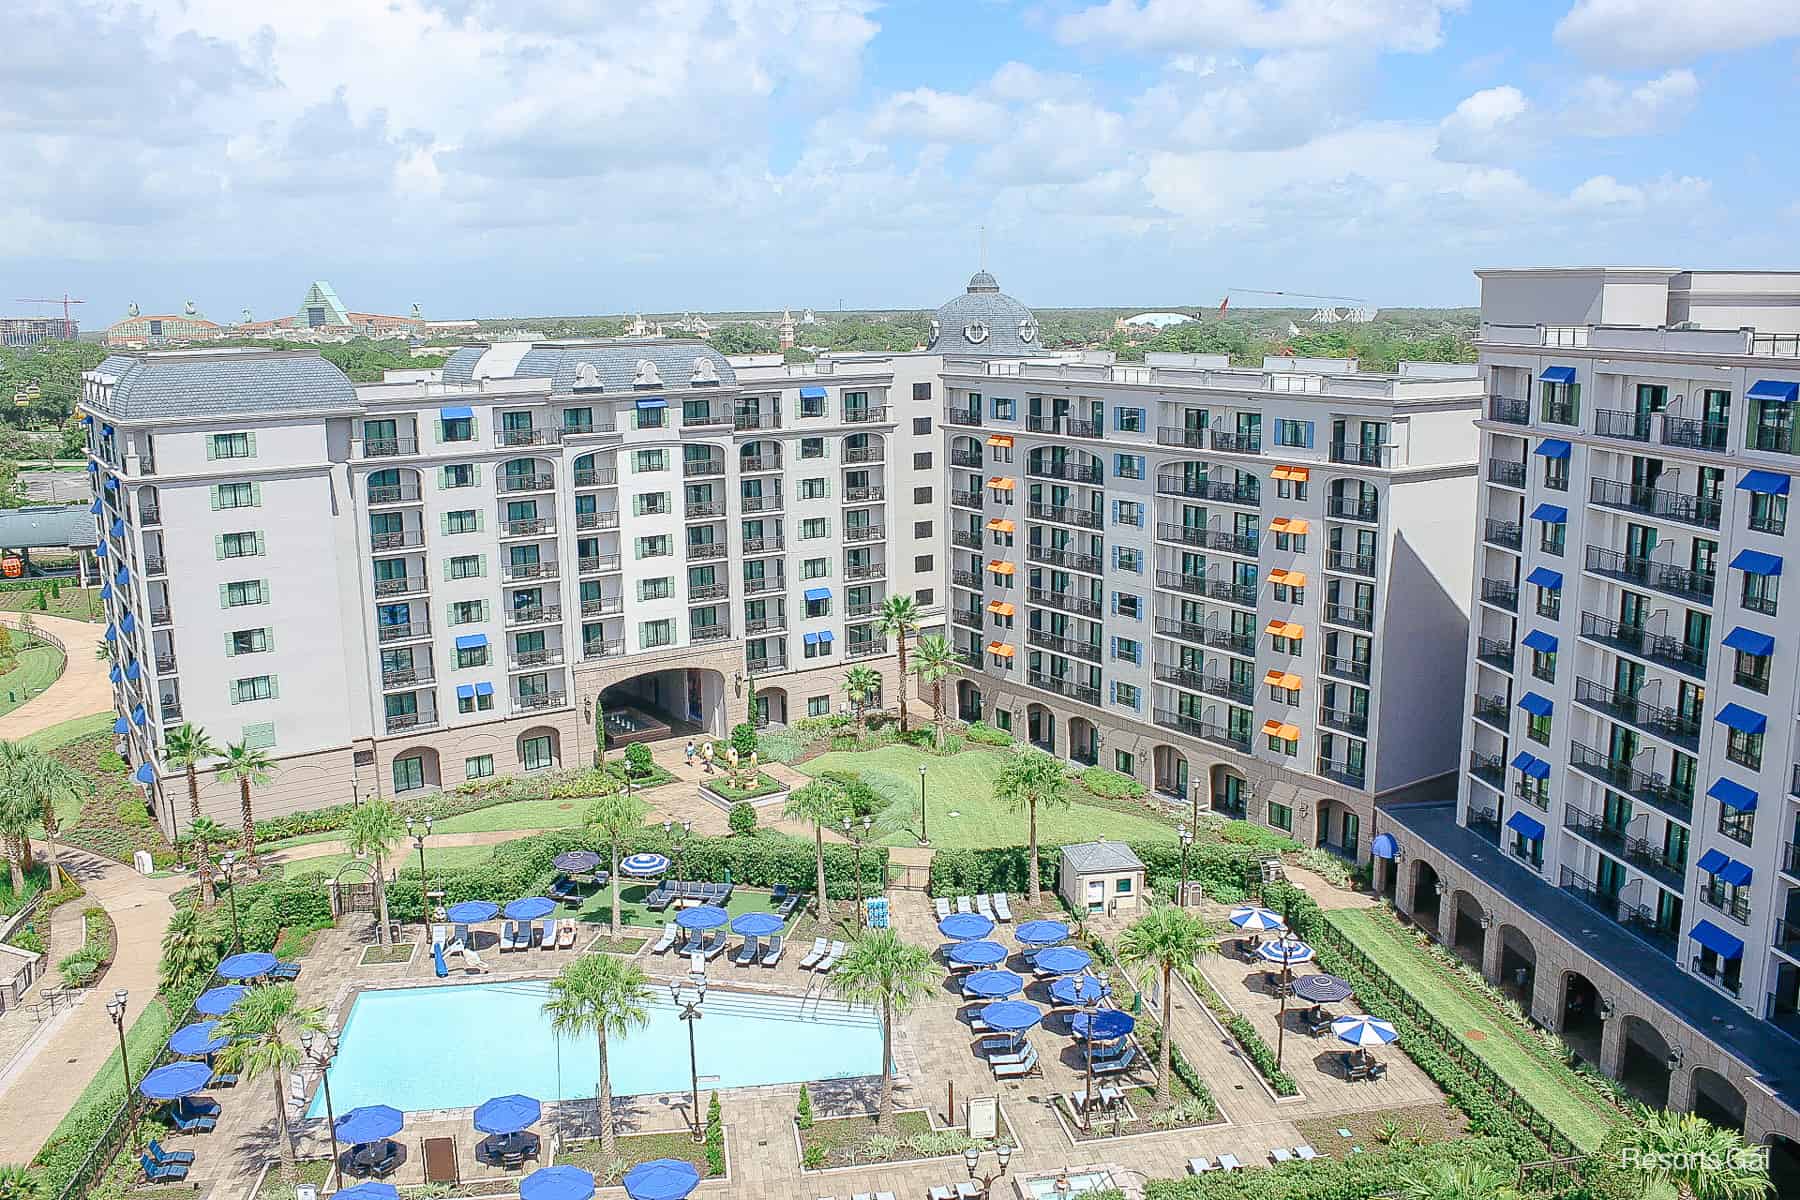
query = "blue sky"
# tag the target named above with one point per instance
(485, 157)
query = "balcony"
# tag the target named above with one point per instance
(868, 494)
(1513, 412)
(526, 437)
(1790, 858)
(406, 539)
(1348, 562)
(403, 586)
(527, 527)
(1075, 648)
(149, 514)
(170, 709)
(386, 493)
(402, 631)
(533, 614)
(1695, 435)
(764, 545)
(537, 701)
(1693, 586)
(1494, 711)
(1068, 471)
(1557, 412)
(1086, 563)
(1489, 768)
(706, 421)
(543, 569)
(1653, 647)
(411, 722)
(1614, 423)
(961, 416)
(709, 591)
(1346, 508)
(596, 520)
(1620, 775)
(1504, 533)
(590, 564)
(1062, 685)
(1360, 454)
(966, 579)
(865, 647)
(1345, 720)
(1205, 730)
(756, 420)
(966, 458)
(1208, 539)
(602, 606)
(756, 504)
(1064, 515)
(1495, 653)
(968, 539)
(1484, 821)
(1776, 438)
(757, 585)
(1501, 593)
(966, 499)
(593, 648)
(704, 510)
(387, 447)
(1345, 668)
(772, 660)
(401, 677)
(970, 618)
(853, 456)
(1181, 438)
(1620, 843)
(1702, 511)
(865, 571)
(155, 564)
(1247, 495)
(1340, 772)
(1355, 618)
(1064, 427)
(1665, 723)
(597, 477)
(1237, 443)
(165, 663)
(510, 484)
(1736, 907)
(760, 626)
(1069, 602)
(697, 468)
(865, 533)
(865, 414)
(160, 617)
(1242, 644)
(707, 551)
(718, 631)
(1506, 473)
(1187, 677)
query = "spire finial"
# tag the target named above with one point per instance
(983, 237)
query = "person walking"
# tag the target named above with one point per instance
(687, 755)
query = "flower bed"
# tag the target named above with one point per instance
(633, 1149)
(760, 791)
(857, 1142)
(379, 956)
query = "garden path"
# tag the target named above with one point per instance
(80, 690)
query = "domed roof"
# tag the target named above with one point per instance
(984, 321)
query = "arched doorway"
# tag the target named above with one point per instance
(968, 701)
(1084, 741)
(1425, 889)
(1717, 1100)
(539, 749)
(1169, 770)
(416, 770)
(1230, 792)
(1468, 934)
(1040, 727)
(676, 702)
(1518, 965)
(1644, 1067)
(1580, 1024)
(770, 707)
(1339, 830)
(1784, 1164)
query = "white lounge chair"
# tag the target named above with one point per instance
(942, 907)
(547, 933)
(884, 1196)
(772, 950)
(670, 932)
(942, 1191)
(984, 906)
(1305, 1153)
(565, 935)
(1229, 1162)
(440, 937)
(714, 945)
(831, 959)
(472, 961)
(749, 952)
(1281, 1154)
(1200, 1165)
(964, 904)
(813, 956)
(968, 1189)
(1001, 909)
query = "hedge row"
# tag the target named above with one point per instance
(1355, 1177)
(1223, 867)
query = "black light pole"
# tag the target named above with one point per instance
(924, 838)
(690, 1013)
(972, 1160)
(115, 1008)
(419, 833)
(856, 834)
(1187, 839)
(320, 1051)
(228, 864)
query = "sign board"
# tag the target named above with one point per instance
(982, 1117)
(877, 911)
(142, 862)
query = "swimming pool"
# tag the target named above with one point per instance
(456, 1046)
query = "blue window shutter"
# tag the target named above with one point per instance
(1115, 602)
(1307, 434)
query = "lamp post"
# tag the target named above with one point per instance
(587, 719)
(924, 839)
(115, 1008)
(1187, 839)
(320, 1051)
(676, 843)
(856, 834)
(419, 833)
(1087, 1096)
(972, 1160)
(690, 1013)
(228, 866)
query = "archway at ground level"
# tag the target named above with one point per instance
(540, 748)
(770, 707)
(1230, 792)
(1717, 1100)
(1469, 927)
(1084, 741)
(1644, 1067)
(1040, 727)
(1518, 965)
(1784, 1164)
(678, 702)
(1339, 830)
(416, 770)
(1425, 888)
(1169, 773)
(968, 701)
(1580, 1023)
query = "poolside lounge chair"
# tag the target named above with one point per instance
(884, 1196)
(462, 938)
(1118, 1062)
(772, 950)
(1001, 908)
(670, 932)
(984, 906)
(285, 972)
(714, 945)
(1201, 1165)
(831, 959)
(941, 906)
(198, 1106)
(506, 936)
(193, 1123)
(562, 888)
(786, 908)
(964, 904)
(472, 961)
(565, 935)
(659, 899)
(968, 1189)
(1305, 1153)
(749, 952)
(1027, 1065)
(777, 894)
(547, 933)
(440, 937)
(163, 1172)
(224, 1079)
(942, 1191)
(163, 1156)
(1281, 1154)
(813, 956)
(386, 1162)
(1229, 1162)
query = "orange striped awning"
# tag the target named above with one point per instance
(1298, 526)
(1272, 727)
(1002, 483)
(1290, 578)
(1001, 607)
(1288, 733)
(1293, 474)
(1275, 627)
(1000, 525)
(1000, 439)
(1288, 683)
(1002, 649)
(1273, 678)
(1278, 525)
(1001, 568)
(1286, 629)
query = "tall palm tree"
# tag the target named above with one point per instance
(42, 778)
(185, 747)
(206, 833)
(602, 995)
(823, 803)
(375, 830)
(190, 949)
(1031, 780)
(262, 1035)
(18, 812)
(615, 816)
(899, 617)
(1165, 941)
(1456, 1181)
(881, 969)
(1680, 1154)
(251, 768)
(935, 660)
(862, 684)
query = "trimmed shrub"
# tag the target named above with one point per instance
(984, 734)
(1357, 1177)
(742, 819)
(638, 760)
(743, 738)
(1113, 785)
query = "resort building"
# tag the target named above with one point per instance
(399, 586)
(1624, 850)
(1243, 587)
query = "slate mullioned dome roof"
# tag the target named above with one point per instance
(984, 321)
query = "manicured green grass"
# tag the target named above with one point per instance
(436, 857)
(517, 814)
(1555, 1090)
(70, 730)
(37, 668)
(77, 604)
(598, 907)
(964, 784)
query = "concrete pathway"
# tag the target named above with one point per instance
(81, 690)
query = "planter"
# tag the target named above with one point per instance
(766, 792)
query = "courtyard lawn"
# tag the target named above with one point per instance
(70, 730)
(1556, 1091)
(964, 784)
(598, 907)
(77, 604)
(37, 668)
(436, 858)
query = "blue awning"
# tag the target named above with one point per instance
(123, 578)
(1772, 482)
(116, 673)
(1717, 940)
(87, 418)
(1543, 643)
(1555, 514)
(1749, 641)
(111, 634)
(818, 593)
(145, 774)
(1783, 391)
(465, 691)
(1544, 577)
(106, 592)
(812, 393)
(1558, 375)
(484, 689)
(100, 551)
(652, 402)
(1553, 448)
(1737, 874)
(471, 641)
(811, 639)
(118, 528)
(106, 430)
(1712, 862)
(1383, 845)
(121, 725)
(1732, 794)
(93, 466)
(128, 622)
(1757, 563)
(1531, 765)
(139, 716)
(1520, 823)
(111, 483)
(96, 507)
(457, 412)
(1744, 720)
(1536, 705)
(133, 670)
(825, 636)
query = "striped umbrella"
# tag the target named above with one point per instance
(1254, 919)
(1285, 953)
(1364, 1031)
(1323, 989)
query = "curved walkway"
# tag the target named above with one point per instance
(81, 690)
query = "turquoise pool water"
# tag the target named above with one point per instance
(456, 1046)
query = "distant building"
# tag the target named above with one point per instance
(141, 331)
(1152, 320)
(323, 317)
(32, 331)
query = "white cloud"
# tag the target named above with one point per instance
(936, 116)
(1501, 124)
(1206, 25)
(1489, 126)
(1604, 107)
(1648, 33)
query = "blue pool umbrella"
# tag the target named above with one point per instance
(757, 924)
(508, 1114)
(661, 1179)
(1253, 919)
(644, 865)
(965, 927)
(576, 862)
(370, 1123)
(1041, 933)
(529, 908)
(702, 916)
(559, 1183)
(977, 954)
(218, 1001)
(176, 1079)
(1063, 960)
(199, 1038)
(121, 725)
(1109, 1024)
(472, 912)
(1364, 1031)
(1322, 989)
(1012, 1016)
(116, 674)
(374, 1189)
(145, 774)
(1286, 952)
(247, 966)
(1079, 989)
(994, 985)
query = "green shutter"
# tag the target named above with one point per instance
(230, 647)
(443, 477)
(480, 520)
(217, 497)
(231, 690)
(484, 610)
(481, 565)
(475, 473)
(268, 639)
(444, 521)
(256, 495)
(212, 446)
(264, 586)
(447, 575)
(224, 595)
(251, 438)
(219, 546)
(274, 687)
(262, 547)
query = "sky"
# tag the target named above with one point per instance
(534, 157)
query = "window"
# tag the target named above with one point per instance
(536, 753)
(1295, 542)
(921, 529)
(244, 592)
(818, 706)
(1549, 602)
(654, 416)
(1128, 558)
(656, 589)
(651, 504)
(1768, 513)
(260, 736)
(924, 596)
(255, 687)
(655, 546)
(921, 391)
(645, 461)
(656, 633)
(1290, 489)
(1287, 593)
(815, 568)
(458, 475)
(1128, 512)
(231, 445)
(1281, 745)
(1293, 433)
(815, 527)
(814, 489)
(236, 495)
(1282, 695)
(409, 773)
(817, 646)
(247, 641)
(1538, 728)
(1124, 763)
(1739, 826)
(466, 612)
(922, 563)
(457, 429)
(922, 461)
(812, 406)
(239, 545)
(1128, 466)
(1752, 672)
(922, 495)
(1126, 604)
(1285, 645)
(465, 566)
(475, 702)
(812, 447)
(1761, 592)
(921, 425)
(818, 608)
(1004, 409)
(578, 420)
(1745, 749)
(1129, 420)
(479, 767)
(464, 520)
(1543, 665)
(1281, 816)
(471, 656)
(1560, 403)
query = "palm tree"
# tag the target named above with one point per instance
(206, 833)
(262, 1035)
(251, 768)
(1032, 779)
(375, 830)
(190, 950)
(601, 995)
(615, 816)
(881, 969)
(861, 684)
(1684, 1155)
(822, 803)
(935, 660)
(185, 747)
(41, 777)
(18, 812)
(1165, 941)
(1456, 1181)
(900, 617)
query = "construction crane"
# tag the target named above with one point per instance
(65, 300)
